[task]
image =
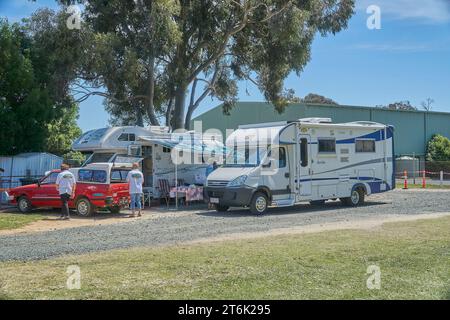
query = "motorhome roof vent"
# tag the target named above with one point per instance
(316, 120)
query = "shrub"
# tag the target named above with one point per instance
(438, 148)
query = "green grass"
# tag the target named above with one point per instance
(414, 258)
(419, 186)
(10, 221)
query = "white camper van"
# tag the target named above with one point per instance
(152, 147)
(286, 163)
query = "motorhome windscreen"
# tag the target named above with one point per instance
(91, 136)
(245, 155)
(99, 157)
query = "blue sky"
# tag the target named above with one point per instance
(407, 59)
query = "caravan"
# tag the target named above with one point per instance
(156, 149)
(309, 160)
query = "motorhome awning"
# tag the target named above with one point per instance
(186, 143)
(273, 135)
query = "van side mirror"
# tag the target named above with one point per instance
(267, 163)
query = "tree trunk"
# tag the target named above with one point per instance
(187, 122)
(149, 106)
(139, 118)
(178, 115)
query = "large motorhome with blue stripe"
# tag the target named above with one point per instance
(309, 160)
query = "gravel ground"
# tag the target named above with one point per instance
(170, 228)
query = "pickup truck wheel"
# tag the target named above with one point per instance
(24, 204)
(259, 203)
(115, 209)
(84, 207)
(220, 208)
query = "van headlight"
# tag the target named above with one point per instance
(239, 181)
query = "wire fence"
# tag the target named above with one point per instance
(425, 172)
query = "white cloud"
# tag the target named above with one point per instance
(435, 11)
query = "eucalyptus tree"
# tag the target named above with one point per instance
(150, 54)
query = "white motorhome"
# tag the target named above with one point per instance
(152, 147)
(286, 163)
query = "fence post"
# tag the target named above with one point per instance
(441, 178)
(424, 184)
(405, 175)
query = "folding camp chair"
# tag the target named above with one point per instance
(164, 190)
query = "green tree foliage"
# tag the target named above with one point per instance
(316, 98)
(38, 64)
(61, 132)
(149, 54)
(400, 105)
(74, 158)
(24, 103)
(438, 148)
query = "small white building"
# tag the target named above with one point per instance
(26, 165)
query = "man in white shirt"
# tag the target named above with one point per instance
(66, 184)
(135, 180)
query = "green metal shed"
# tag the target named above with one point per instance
(413, 129)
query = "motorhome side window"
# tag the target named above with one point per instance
(327, 146)
(365, 145)
(282, 159)
(304, 152)
(127, 137)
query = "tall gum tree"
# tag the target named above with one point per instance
(158, 52)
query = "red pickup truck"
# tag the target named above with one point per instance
(99, 185)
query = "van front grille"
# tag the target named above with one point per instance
(217, 183)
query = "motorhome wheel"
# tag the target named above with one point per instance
(356, 198)
(259, 203)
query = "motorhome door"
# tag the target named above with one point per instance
(279, 180)
(305, 165)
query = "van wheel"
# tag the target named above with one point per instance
(114, 210)
(259, 203)
(356, 198)
(317, 202)
(220, 208)
(84, 207)
(24, 204)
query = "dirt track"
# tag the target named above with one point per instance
(169, 227)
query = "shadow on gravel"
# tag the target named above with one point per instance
(302, 208)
